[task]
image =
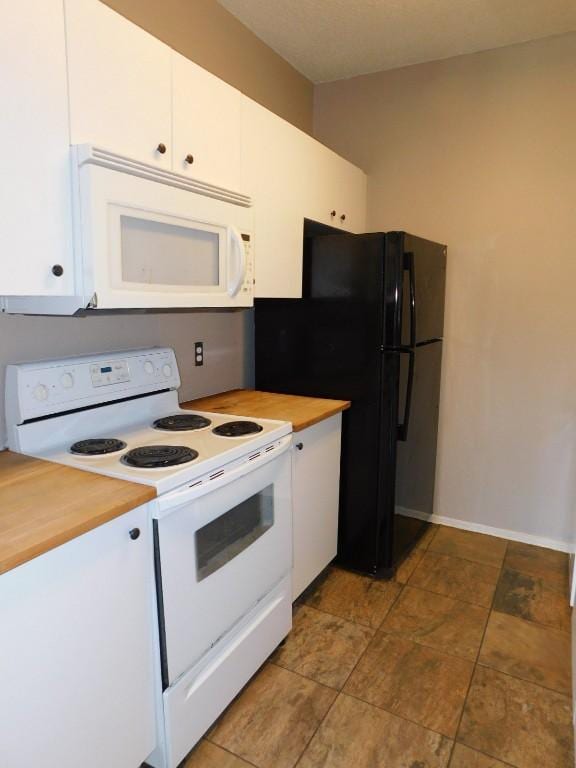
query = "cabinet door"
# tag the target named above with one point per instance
(316, 487)
(35, 223)
(275, 173)
(120, 89)
(336, 194)
(206, 113)
(76, 658)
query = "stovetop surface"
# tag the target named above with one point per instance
(213, 450)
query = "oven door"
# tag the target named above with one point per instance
(146, 244)
(218, 554)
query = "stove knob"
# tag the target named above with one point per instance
(40, 392)
(167, 370)
(149, 367)
(67, 380)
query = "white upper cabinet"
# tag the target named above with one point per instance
(274, 173)
(120, 84)
(206, 113)
(336, 194)
(35, 192)
(293, 177)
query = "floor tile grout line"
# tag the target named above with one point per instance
(304, 677)
(440, 651)
(567, 632)
(301, 755)
(475, 667)
(550, 587)
(466, 559)
(399, 716)
(228, 751)
(522, 679)
(450, 597)
(365, 651)
(341, 618)
(481, 752)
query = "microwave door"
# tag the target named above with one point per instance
(148, 245)
(236, 261)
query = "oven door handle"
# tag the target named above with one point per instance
(174, 499)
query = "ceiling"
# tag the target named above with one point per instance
(333, 39)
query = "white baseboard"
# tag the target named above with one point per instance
(503, 533)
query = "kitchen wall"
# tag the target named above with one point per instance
(479, 152)
(207, 33)
(226, 337)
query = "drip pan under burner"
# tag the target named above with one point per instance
(182, 422)
(97, 446)
(159, 456)
(237, 429)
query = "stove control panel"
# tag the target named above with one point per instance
(50, 387)
(113, 372)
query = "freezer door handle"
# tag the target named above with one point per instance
(402, 430)
(409, 267)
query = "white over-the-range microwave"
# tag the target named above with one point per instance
(147, 238)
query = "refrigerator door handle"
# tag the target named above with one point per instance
(409, 267)
(402, 430)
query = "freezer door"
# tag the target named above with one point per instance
(423, 285)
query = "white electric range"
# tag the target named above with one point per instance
(221, 520)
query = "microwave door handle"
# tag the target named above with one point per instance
(236, 246)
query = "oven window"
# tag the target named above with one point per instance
(158, 253)
(221, 540)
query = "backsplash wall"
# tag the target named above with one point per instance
(227, 338)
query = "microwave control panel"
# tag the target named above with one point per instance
(247, 285)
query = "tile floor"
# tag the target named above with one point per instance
(462, 661)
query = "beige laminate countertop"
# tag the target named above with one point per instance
(43, 505)
(301, 411)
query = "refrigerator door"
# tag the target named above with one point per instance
(415, 287)
(415, 454)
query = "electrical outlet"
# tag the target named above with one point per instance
(199, 352)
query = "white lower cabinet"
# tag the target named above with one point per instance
(316, 483)
(76, 659)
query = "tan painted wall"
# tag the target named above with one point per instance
(207, 33)
(480, 152)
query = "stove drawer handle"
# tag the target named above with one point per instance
(134, 534)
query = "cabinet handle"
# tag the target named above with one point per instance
(343, 217)
(332, 213)
(57, 270)
(161, 148)
(299, 446)
(135, 534)
(189, 159)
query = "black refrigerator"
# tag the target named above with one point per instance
(368, 329)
